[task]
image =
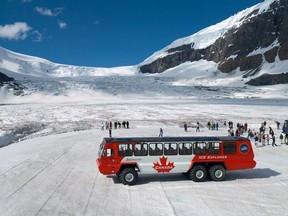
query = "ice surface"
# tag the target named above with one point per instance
(57, 175)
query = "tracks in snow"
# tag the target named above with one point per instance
(44, 168)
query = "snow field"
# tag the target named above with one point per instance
(57, 175)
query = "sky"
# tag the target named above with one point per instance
(105, 33)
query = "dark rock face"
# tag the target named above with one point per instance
(270, 55)
(11, 84)
(250, 63)
(4, 78)
(228, 65)
(176, 56)
(256, 32)
(283, 52)
(268, 79)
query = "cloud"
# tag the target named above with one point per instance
(16, 31)
(48, 12)
(62, 24)
(37, 36)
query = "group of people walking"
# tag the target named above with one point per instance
(213, 125)
(263, 136)
(197, 127)
(240, 129)
(108, 125)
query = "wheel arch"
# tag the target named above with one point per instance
(128, 165)
(209, 165)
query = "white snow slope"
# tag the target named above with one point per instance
(42, 78)
(49, 82)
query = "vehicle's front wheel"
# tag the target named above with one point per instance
(217, 173)
(198, 173)
(128, 176)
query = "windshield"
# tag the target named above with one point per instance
(100, 149)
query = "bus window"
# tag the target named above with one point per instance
(199, 148)
(108, 153)
(229, 147)
(213, 148)
(125, 150)
(141, 150)
(155, 149)
(170, 149)
(185, 148)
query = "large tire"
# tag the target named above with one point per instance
(198, 173)
(286, 139)
(128, 176)
(118, 174)
(217, 173)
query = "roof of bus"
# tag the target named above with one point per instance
(172, 139)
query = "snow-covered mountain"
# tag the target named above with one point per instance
(21, 66)
(253, 42)
(33, 76)
(217, 61)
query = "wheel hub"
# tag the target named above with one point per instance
(129, 177)
(199, 174)
(218, 174)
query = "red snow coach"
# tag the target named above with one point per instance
(200, 157)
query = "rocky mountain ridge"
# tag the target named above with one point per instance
(261, 37)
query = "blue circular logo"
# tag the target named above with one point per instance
(244, 148)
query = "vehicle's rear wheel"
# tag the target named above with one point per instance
(128, 176)
(286, 139)
(217, 173)
(198, 173)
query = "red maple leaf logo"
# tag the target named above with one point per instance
(163, 167)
